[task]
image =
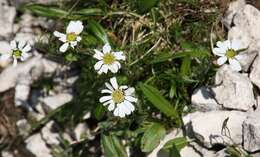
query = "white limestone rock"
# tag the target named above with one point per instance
(216, 127)
(36, 145)
(251, 132)
(234, 90)
(7, 15)
(53, 102)
(203, 99)
(255, 72)
(51, 137)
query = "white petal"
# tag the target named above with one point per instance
(73, 43)
(116, 112)
(109, 86)
(75, 27)
(15, 62)
(227, 44)
(5, 56)
(130, 98)
(13, 45)
(219, 51)
(221, 60)
(24, 56)
(98, 65)
(235, 65)
(239, 57)
(98, 55)
(26, 48)
(106, 91)
(64, 47)
(108, 102)
(235, 44)
(118, 65)
(62, 37)
(103, 69)
(125, 109)
(114, 82)
(21, 44)
(119, 55)
(129, 91)
(129, 105)
(111, 106)
(113, 68)
(78, 38)
(123, 87)
(121, 111)
(106, 48)
(105, 98)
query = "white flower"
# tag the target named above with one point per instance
(71, 38)
(228, 51)
(108, 60)
(19, 51)
(119, 98)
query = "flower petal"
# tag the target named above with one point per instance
(221, 60)
(103, 69)
(26, 48)
(75, 27)
(129, 91)
(114, 82)
(13, 45)
(109, 86)
(98, 65)
(105, 98)
(119, 55)
(130, 98)
(111, 106)
(106, 48)
(98, 55)
(64, 47)
(113, 68)
(106, 91)
(235, 44)
(235, 65)
(24, 56)
(21, 44)
(14, 62)
(219, 51)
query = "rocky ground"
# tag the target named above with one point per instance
(227, 113)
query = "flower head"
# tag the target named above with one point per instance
(19, 51)
(71, 38)
(108, 60)
(228, 51)
(119, 98)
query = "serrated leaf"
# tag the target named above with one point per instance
(155, 97)
(179, 142)
(112, 146)
(152, 137)
(47, 11)
(97, 30)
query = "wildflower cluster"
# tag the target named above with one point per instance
(120, 99)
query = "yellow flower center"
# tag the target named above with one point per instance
(230, 53)
(71, 37)
(17, 53)
(109, 58)
(118, 96)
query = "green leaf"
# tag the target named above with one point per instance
(112, 146)
(155, 97)
(152, 137)
(179, 142)
(99, 111)
(167, 56)
(47, 11)
(89, 12)
(146, 5)
(186, 66)
(97, 30)
(174, 152)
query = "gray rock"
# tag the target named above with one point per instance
(251, 132)
(234, 7)
(7, 15)
(203, 100)
(53, 102)
(195, 150)
(7, 154)
(22, 90)
(234, 90)
(49, 136)
(36, 145)
(215, 127)
(255, 72)
(23, 127)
